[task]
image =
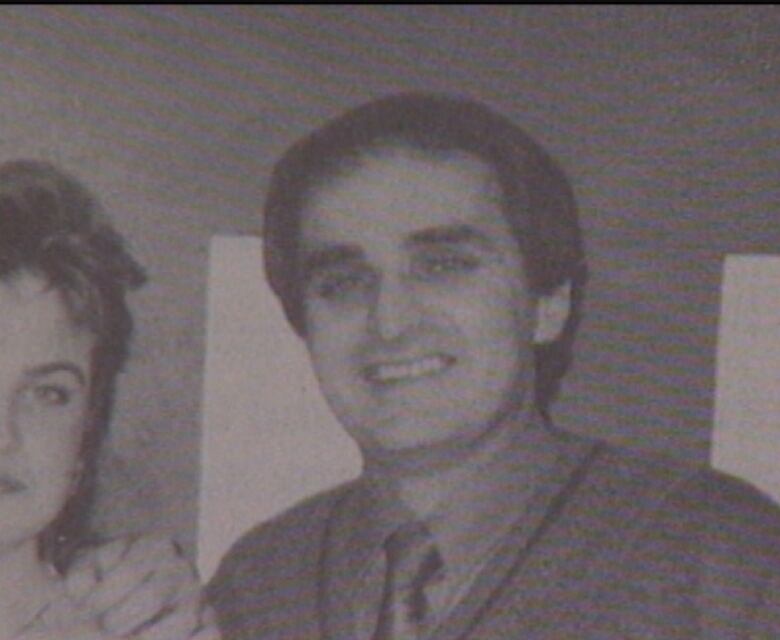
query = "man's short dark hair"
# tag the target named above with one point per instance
(538, 200)
(53, 228)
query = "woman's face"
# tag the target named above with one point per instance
(45, 366)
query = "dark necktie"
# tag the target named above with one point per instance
(413, 562)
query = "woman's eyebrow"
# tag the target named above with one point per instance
(56, 367)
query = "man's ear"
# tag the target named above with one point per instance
(552, 312)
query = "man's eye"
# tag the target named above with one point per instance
(340, 284)
(445, 264)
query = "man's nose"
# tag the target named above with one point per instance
(395, 309)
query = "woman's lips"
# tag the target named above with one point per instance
(9, 484)
(407, 369)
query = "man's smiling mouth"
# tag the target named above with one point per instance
(407, 370)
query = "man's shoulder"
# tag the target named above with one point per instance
(697, 502)
(267, 582)
(286, 538)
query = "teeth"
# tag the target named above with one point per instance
(407, 370)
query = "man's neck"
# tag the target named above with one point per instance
(515, 441)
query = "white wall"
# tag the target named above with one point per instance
(746, 439)
(268, 439)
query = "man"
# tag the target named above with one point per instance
(429, 254)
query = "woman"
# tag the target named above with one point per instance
(64, 333)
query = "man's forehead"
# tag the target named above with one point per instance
(392, 166)
(405, 196)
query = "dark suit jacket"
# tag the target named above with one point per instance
(631, 547)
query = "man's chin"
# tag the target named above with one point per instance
(420, 457)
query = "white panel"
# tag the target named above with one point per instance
(268, 437)
(746, 439)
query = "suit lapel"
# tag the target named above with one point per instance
(541, 513)
(552, 590)
(356, 528)
(337, 567)
(572, 542)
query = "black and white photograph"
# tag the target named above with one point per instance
(390, 322)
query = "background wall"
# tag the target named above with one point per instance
(666, 119)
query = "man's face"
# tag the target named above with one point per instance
(419, 320)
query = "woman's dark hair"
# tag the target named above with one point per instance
(538, 201)
(52, 227)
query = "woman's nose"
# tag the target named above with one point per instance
(9, 434)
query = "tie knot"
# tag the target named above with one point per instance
(412, 557)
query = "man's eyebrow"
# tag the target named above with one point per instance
(450, 234)
(324, 257)
(57, 367)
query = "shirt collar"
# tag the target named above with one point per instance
(492, 496)
(467, 523)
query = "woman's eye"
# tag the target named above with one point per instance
(50, 395)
